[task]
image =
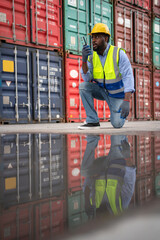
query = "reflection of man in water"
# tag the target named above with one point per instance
(110, 180)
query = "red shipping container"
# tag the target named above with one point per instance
(156, 7)
(144, 156)
(132, 32)
(49, 218)
(144, 4)
(75, 111)
(37, 25)
(157, 153)
(145, 190)
(143, 93)
(142, 37)
(76, 145)
(156, 94)
(46, 24)
(17, 222)
(15, 21)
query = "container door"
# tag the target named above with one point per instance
(48, 86)
(16, 84)
(102, 11)
(143, 93)
(76, 24)
(49, 165)
(156, 95)
(46, 23)
(156, 43)
(142, 39)
(124, 29)
(14, 20)
(17, 172)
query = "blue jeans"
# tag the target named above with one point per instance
(88, 91)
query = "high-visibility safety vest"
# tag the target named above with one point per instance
(108, 77)
(113, 190)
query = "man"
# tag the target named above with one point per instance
(108, 76)
(109, 180)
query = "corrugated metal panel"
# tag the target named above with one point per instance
(46, 23)
(145, 190)
(157, 153)
(76, 203)
(77, 25)
(142, 33)
(49, 165)
(102, 11)
(143, 93)
(17, 172)
(17, 222)
(76, 147)
(49, 218)
(15, 21)
(48, 86)
(74, 107)
(144, 159)
(32, 25)
(156, 95)
(156, 6)
(156, 42)
(132, 32)
(143, 4)
(15, 84)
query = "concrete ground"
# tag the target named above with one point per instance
(132, 128)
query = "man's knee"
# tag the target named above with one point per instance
(118, 123)
(83, 86)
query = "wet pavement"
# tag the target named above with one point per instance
(79, 186)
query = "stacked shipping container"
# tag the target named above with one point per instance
(39, 32)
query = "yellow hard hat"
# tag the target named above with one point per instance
(100, 28)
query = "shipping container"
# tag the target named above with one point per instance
(156, 7)
(80, 17)
(157, 185)
(76, 146)
(156, 95)
(49, 160)
(48, 99)
(156, 42)
(32, 23)
(102, 11)
(144, 156)
(17, 222)
(143, 98)
(142, 4)
(76, 24)
(75, 111)
(15, 84)
(156, 151)
(49, 218)
(132, 32)
(31, 85)
(145, 190)
(16, 170)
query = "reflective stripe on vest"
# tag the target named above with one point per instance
(110, 73)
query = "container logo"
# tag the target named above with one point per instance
(157, 84)
(158, 157)
(73, 73)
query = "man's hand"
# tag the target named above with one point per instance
(124, 109)
(86, 51)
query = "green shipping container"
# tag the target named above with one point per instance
(80, 17)
(157, 185)
(77, 220)
(102, 11)
(76, 203)
(156, 42)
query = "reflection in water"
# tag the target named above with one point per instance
(110, 179)
(52, 182)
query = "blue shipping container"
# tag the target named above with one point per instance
(31, 85)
